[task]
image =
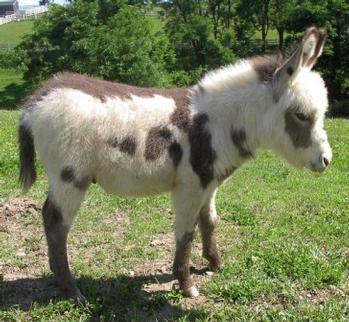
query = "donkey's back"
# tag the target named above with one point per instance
(88, 130)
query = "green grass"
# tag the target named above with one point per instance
(13, 32)
(12, 89)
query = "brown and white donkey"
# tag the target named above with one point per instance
(139, 141)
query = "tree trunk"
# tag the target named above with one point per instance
(281, 37)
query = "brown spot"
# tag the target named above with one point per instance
(266, 65)
(102, 89)
(176, 153)
(113, 142)
(82, 183)
(299, 132)
(202, 155)
(128, 145)
(181, 117)
(181, 261)
(239, 139)
(67, 174)
(157, 141)
(209, 244)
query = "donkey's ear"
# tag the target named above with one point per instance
(306, 55)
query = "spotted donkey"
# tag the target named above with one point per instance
(139, 141)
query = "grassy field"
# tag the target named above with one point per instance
(283, 233)
(13, 32)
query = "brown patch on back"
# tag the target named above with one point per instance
(102, 89)
(299, 132)
(158, 139)
(181, 117)
(266, 65)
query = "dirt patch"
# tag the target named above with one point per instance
(18, 207)
(321, 296)
(25, 252)
(23, 238)
(117, 219)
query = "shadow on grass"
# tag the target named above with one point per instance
(116, 299)
(14, 94)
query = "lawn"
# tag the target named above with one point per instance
(283, 233)
(13, 32)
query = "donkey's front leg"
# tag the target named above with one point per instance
(187, 206)
(207, 222)
(57, 224)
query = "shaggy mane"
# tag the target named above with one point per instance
(242, 73)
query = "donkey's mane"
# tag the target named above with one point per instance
(243, 72)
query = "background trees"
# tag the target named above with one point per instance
(172, 43)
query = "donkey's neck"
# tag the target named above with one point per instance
(235, 102)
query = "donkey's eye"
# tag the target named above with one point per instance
(302, 117)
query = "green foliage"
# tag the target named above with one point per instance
(197, 37)
(129, 49)
(334, 17)
(81, 38)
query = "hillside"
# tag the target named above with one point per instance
(13, 32)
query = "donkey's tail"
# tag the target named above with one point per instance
(27, 172)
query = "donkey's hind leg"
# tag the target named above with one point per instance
(207, 222)
(58, 212)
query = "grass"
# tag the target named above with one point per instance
(13, 32)
(284, 236)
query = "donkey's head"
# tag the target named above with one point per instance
(300, 103)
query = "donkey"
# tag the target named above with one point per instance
(136, 141)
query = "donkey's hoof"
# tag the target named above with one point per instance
(191, 292)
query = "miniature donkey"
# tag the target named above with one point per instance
(139, 141)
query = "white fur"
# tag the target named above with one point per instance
(71, 128)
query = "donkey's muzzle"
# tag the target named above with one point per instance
(322, 164)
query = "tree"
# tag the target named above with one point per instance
(258, 11)
(128, 49)
(123, 47)
(280, 13)
(195, 36)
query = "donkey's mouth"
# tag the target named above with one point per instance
(317, 167)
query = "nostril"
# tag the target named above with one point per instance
(325, 161)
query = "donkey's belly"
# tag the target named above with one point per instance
(130, 183)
